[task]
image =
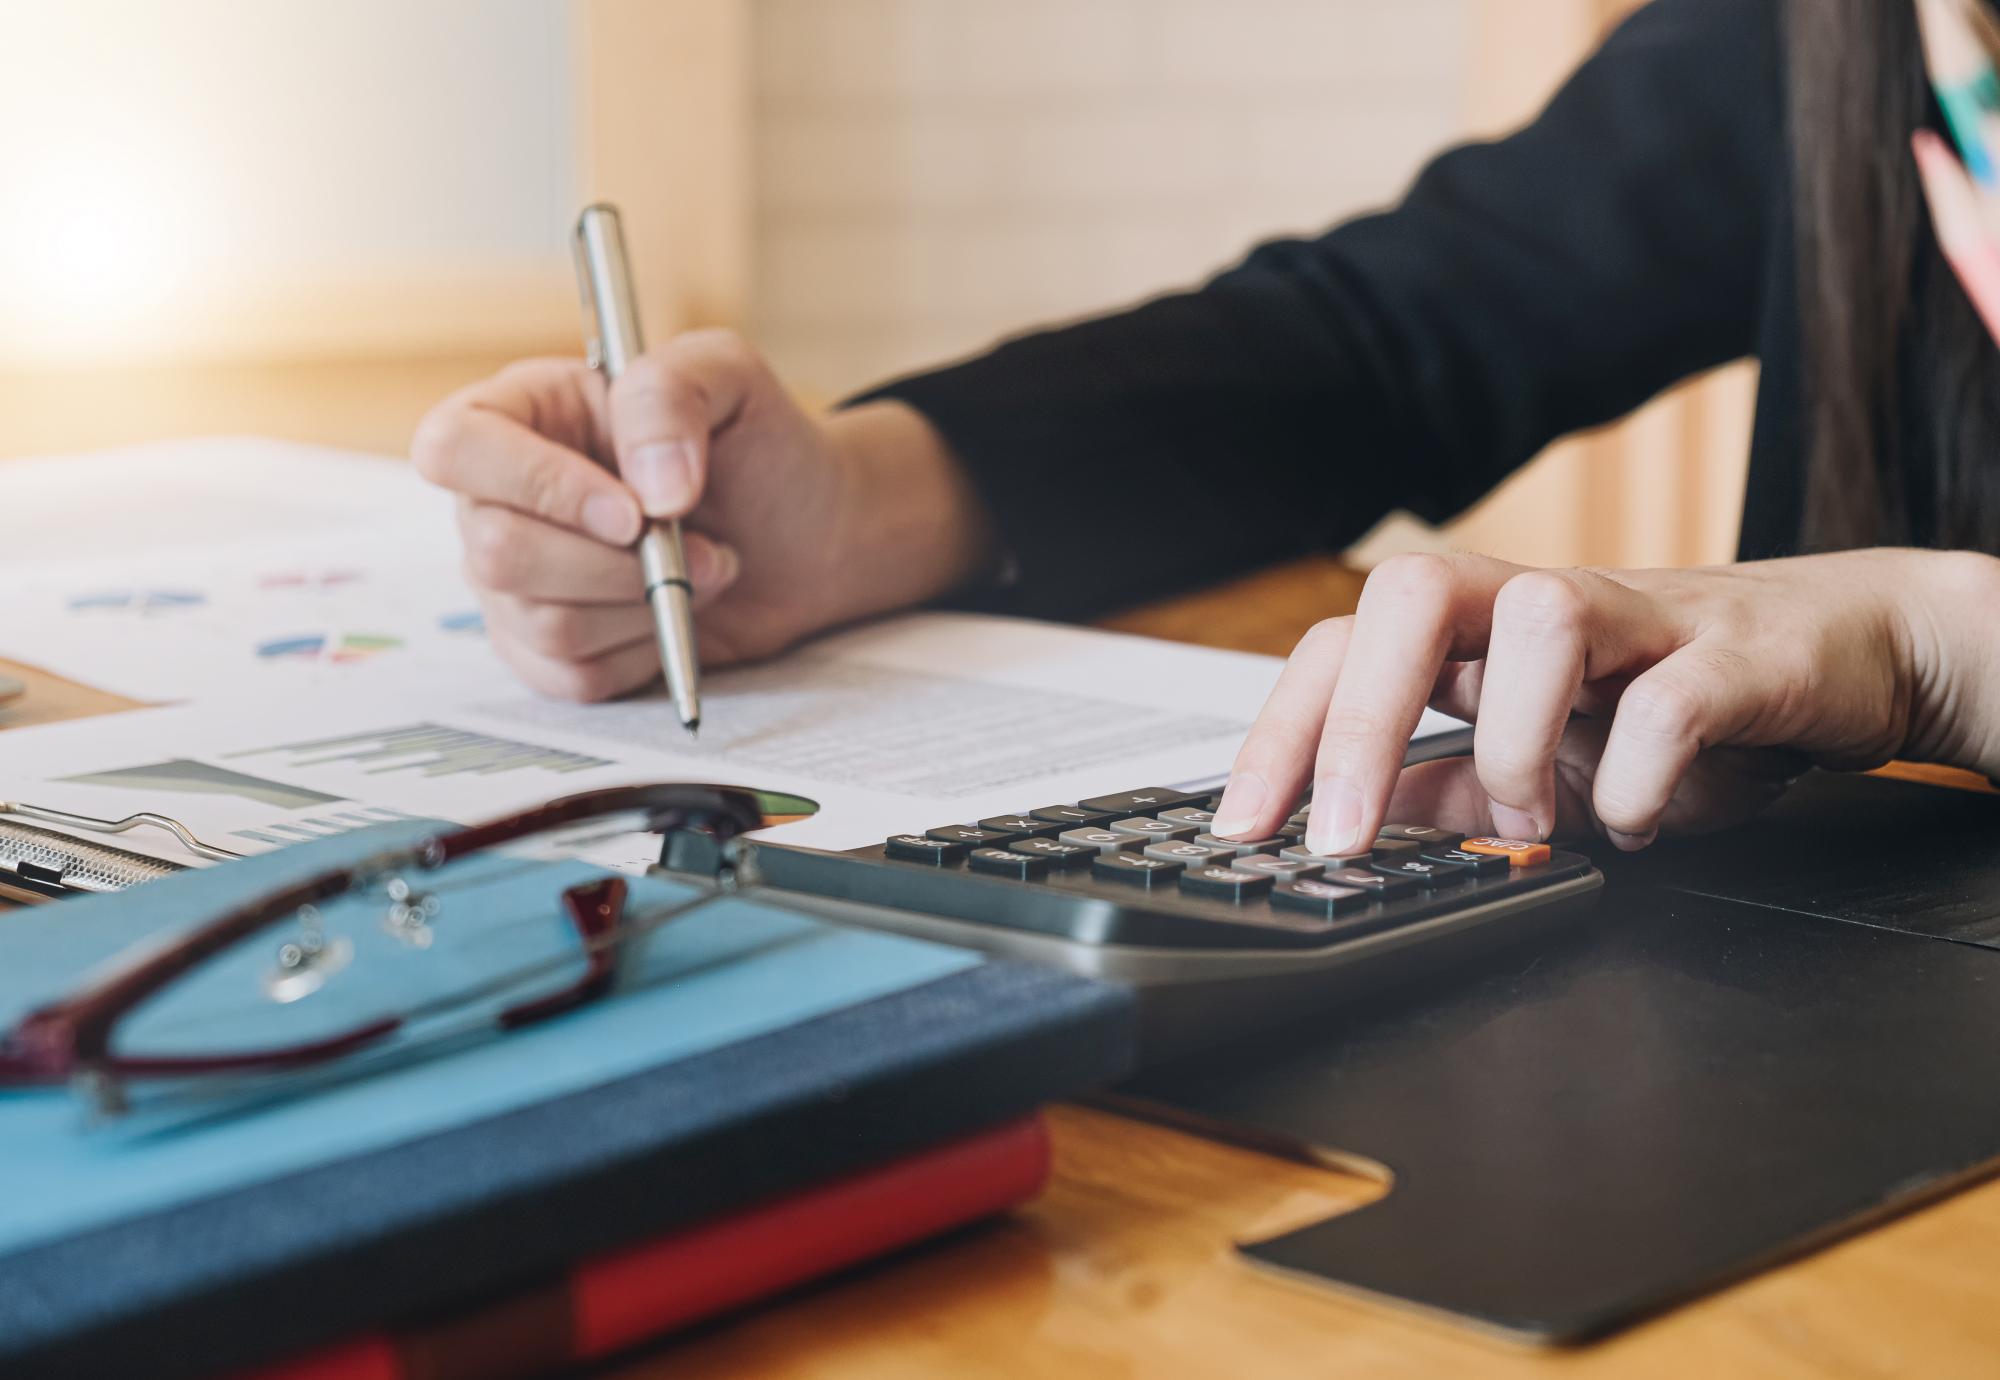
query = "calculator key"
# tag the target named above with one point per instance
(1005, 862)
(1517, 852)
(1302, 814)
(1294, 832)
(1073, 816)
(970, 835)
(1377, 884)
(1054, 851)
(1325, 899)
(1298, 852)
(1482, 864)
(1147, 800)
(1425, 836)
(1422, 870)
(1134, 868)
(918, 848)
(1188, 854)
(1139, 826)
(1188, 814)
(1277, 867)
(1242, 847)
(1022, 826)
(1224, 883)
(1393, 848)
(1099, 840)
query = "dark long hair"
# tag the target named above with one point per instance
(1901, 382)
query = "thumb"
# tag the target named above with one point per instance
(666, 406)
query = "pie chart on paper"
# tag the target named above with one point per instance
(342, 649)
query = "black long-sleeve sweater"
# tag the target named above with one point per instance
(1637, 232)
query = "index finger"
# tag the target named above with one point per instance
(486, 443)
(1416, 613)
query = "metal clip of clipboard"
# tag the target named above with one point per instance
(40, 864)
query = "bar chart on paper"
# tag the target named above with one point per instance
(144, 602)
(429, 750)
(285, 812)
(251, 780)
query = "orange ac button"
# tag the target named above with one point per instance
(1517, 852)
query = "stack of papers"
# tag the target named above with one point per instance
(300, 615)
(323, 667)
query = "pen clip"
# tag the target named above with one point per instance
(593, 339)
(604, 278)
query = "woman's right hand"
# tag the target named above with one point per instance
(793, 522)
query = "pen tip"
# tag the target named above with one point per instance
(694, 728)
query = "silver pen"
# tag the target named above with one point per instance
(611, 321)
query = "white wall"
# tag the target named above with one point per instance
(934, 173)
(163, 161)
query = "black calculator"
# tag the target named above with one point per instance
(1219, 936)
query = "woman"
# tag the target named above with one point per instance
(1725, 177)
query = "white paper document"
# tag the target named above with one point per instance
(351, 572)
(331, 671)
(192, 495)
(919, 721)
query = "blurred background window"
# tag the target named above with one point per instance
(311, 220)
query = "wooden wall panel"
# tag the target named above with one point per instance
(666, 92)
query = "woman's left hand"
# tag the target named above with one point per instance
(1622, 702)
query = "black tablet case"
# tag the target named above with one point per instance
(1762, 1041)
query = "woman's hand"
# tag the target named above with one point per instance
(793, 522)
(1623, 702)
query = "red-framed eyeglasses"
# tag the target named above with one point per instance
(503, 964)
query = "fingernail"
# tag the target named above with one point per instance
(716, 567)
(1510, 823)
(662, 474)
(611, 517)
(1242, 798)
(1631, 843)
(1334, 826)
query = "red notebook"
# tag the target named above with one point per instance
(616, 1300)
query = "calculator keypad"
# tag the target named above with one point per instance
(1073, 816)
(1022, 825)
(1135, 869)
(1146, 801)
(1171, 882)
(1243, 847)
(1152, 830)
(1189, 854)
(969, 834)
(1005, 862)
(1057, 853)
(1224, 882)
(1099, 840)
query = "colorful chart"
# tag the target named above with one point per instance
(137, 600)
(465, 621)
(342, 649)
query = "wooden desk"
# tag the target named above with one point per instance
(1124, 1267)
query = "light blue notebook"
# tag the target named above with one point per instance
(750, 1049)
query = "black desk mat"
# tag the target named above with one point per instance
(1761, 1042)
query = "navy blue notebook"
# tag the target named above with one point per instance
(753, 1050)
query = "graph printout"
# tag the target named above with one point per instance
(910, 723)
(375, 595)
